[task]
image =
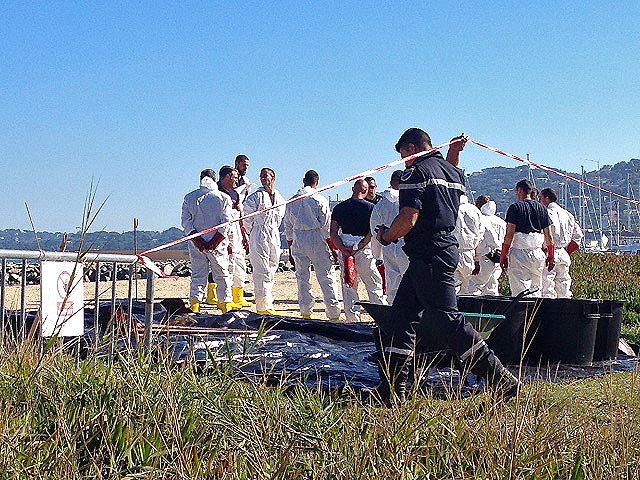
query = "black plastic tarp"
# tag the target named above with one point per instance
(320, 354)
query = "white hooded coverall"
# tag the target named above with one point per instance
(306, 225)
(394, 258)
(366, 271)
(204, 208)
(264, 243)
(495, 228)
(469, 232)
(564, 228)
(237, 262)
(244, 188)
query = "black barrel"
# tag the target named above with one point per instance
(566, 331)
(608, 331)
(507, 339)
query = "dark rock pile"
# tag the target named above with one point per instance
(178, 268)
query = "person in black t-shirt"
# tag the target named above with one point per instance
(350, 233)
(425, 307)
(372, 196)
(528, 228)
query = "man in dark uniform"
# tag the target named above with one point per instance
(426, 302)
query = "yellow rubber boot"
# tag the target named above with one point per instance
(212, 295)
(238, 297)
(228, 307)
(194, 303)
(269, 312)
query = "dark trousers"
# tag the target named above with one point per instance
(428, 317)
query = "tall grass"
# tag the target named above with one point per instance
(134, 419)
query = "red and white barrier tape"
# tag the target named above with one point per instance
(553, 170)
(147, 262)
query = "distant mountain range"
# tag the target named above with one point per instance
(13, 239)
(497, 182)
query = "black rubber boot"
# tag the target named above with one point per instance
(394, 376)
(505, 385)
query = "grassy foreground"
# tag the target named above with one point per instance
(133, 420)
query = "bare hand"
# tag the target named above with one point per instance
(459, 142)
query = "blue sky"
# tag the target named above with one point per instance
(140, 96)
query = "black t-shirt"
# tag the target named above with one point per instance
(433, 186)
(375, 200)
(353, 216)
(528, 216)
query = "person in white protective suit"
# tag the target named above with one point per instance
(202, 209)
(306, 226)
(487, 269)
(264, 238)
(239, 241)
(244, 187)
(567, 236)
(351, 234)
(392, 256)
(528, 228)
(469, 231)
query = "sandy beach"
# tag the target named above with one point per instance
(285, 293)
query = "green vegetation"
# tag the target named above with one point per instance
(135, 420)
(130, 419)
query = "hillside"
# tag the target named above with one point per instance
(623, 178)
(110, 241)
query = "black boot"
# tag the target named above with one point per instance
(505, 385)
(394, 375)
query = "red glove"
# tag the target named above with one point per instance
(551, 257)
(245, 238)
(215, 241)
(504, 259)
(476, 268)
(334, 249)
(229, 249)
(349, 270)
(383, 273)
(198, 241)
(572, 247)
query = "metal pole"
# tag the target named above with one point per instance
(87, 257)
(2, 300)
(96, 311)
(600, 206)
(132, 272)
(581, 199)
(23, 306)
(135, 247)
(148, 309)
(618, 216)
(114, 316)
